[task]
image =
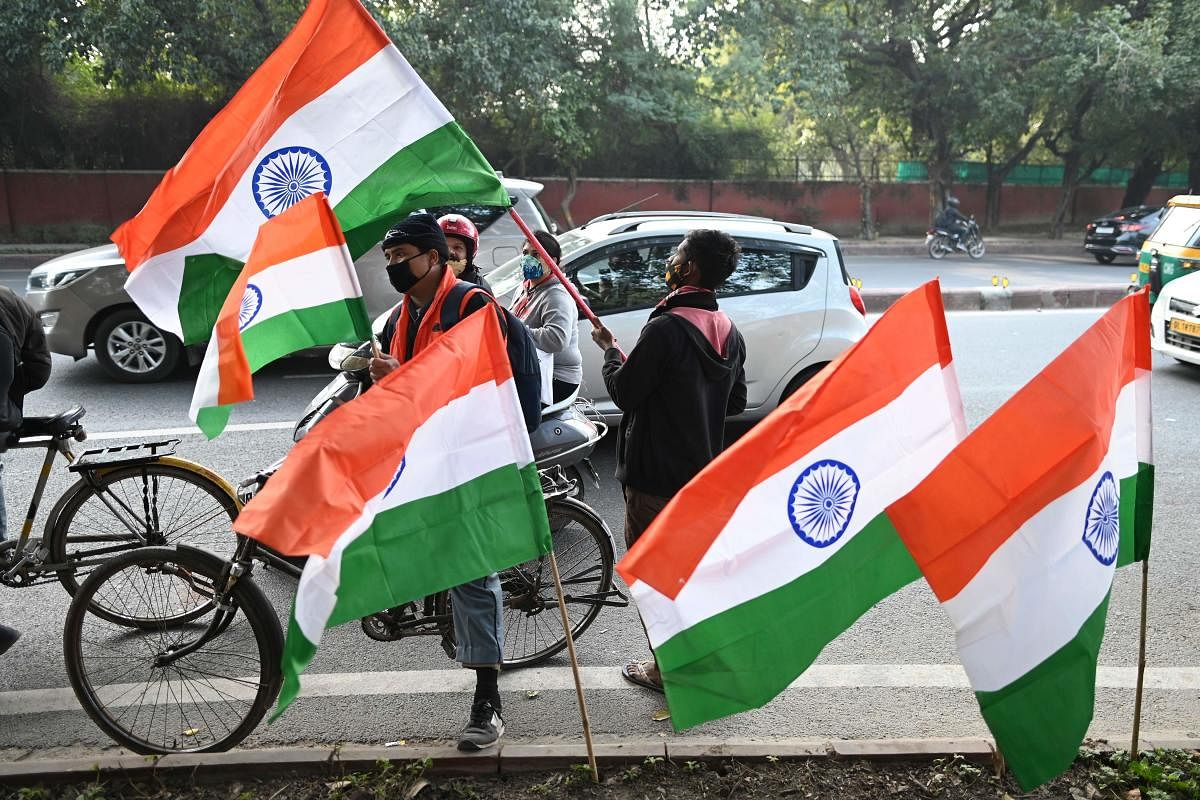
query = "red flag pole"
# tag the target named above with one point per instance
(558, 273)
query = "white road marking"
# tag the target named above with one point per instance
(445, 681)
(309, 377)
(189, 431)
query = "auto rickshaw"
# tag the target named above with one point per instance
(1173, 249)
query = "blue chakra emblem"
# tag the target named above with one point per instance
(399, 472)
(252, 302)
(822, 502)
(1102, 524)
(287, 176)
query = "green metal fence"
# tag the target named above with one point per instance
(1033, 175)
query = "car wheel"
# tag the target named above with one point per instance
(1104, 258)
(131, 349)
(801, 378)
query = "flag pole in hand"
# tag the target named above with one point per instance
(584, 308)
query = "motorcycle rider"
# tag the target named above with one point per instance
(953, 221)
(417, 252)
(462, 237)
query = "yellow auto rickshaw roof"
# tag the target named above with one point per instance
(1189, 200)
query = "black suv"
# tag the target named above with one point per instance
(1120, 233)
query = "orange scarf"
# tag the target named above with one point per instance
(430, 326)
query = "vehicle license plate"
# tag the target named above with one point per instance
(1185, 327)
(1104, 229)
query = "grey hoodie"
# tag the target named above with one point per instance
(553, 319)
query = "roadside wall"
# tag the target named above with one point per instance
(53, 205)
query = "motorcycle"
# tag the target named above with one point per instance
(562, 443)
(940, 242)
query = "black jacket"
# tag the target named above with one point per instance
(675, 390)
(471, 275)
(950, 217)
(24, 357)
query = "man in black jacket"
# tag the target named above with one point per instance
(684, 376)
(24, 366)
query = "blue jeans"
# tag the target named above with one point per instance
(478, 609)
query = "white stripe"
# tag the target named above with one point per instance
(1145, 432)
(551, 679)
(758, 551)
(1037, 589)
(472, 435)
(208, 380)
(366, 118)
(310, 280)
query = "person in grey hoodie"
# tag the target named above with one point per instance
(552, 316)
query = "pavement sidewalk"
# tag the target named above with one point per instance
(510, 757)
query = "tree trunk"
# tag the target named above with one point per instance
(1193, 170)
(941, 178)
(565, 205)
(1145, 173)
(867, 219)
(991, 218)
(1070, 183)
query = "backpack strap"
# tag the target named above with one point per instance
(460, 295)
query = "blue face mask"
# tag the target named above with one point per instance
(531, 268)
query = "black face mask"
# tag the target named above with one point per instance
(401, 276)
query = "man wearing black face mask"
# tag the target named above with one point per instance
(683, 377)
(417, 253)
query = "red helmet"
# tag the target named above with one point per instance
(463, 228)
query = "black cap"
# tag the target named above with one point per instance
(421, 231)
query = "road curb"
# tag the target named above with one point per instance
(994, 298)
(512, 757)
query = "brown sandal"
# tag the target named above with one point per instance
(637, 673)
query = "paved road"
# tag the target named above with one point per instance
(960, 272)
(891, 675)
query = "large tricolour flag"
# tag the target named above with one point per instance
(1020, 530)
(335, 109)
(781, 543)
(298, 290)
(425, 482)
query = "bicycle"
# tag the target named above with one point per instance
(200, 672)
(125, 497)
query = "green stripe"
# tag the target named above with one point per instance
(207, 280)
(444, 167)
(287, 333)
(1040, 719)
(1137, 501)
(742, 658)
(431, 544)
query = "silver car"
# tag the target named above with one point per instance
(81, 301)
(790, 296)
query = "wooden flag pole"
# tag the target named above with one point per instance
(587, 725)
(584, 308)
(1141, 672)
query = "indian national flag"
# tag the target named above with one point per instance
(781, 543)
(335, 109)
(298, 290)
(1020, 529)
(425, 482)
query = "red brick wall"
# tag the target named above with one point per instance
(39, 202)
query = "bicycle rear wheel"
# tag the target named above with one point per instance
(148, 505)
(205, 701)
(533, 631)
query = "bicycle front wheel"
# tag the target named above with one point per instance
(130, 682)
(148, 505)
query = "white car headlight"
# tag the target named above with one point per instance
(56, 280)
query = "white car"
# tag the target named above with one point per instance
(1175, 320)
(81, 302)
(790, 295)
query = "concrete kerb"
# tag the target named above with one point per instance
(993, 298)
(445, 760)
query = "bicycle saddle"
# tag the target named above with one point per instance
(60, 426)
